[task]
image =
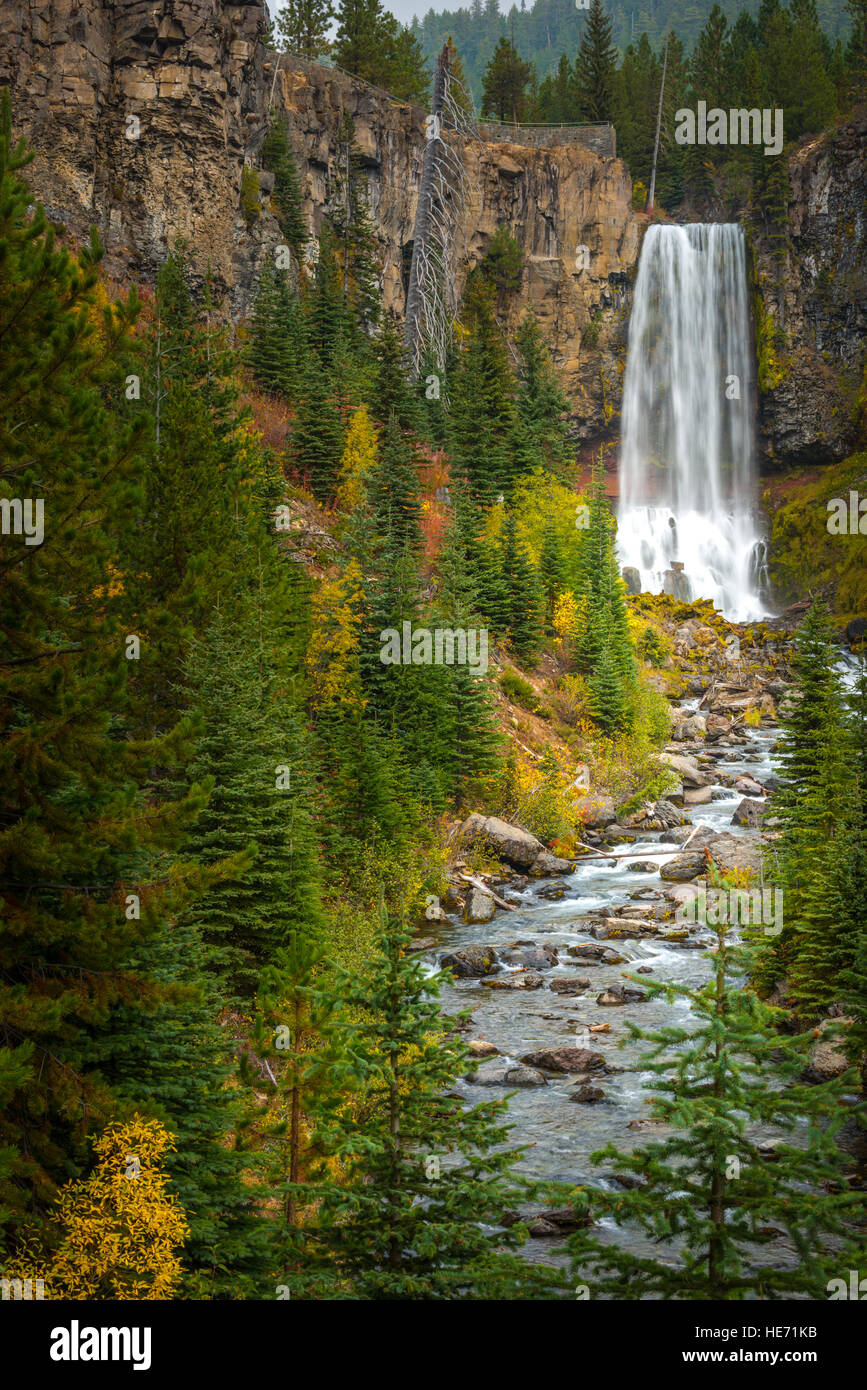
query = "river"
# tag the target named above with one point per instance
(561, 1134)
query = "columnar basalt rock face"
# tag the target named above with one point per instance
(569, 209)
(142, 115)
(820, 302)
(139, 116)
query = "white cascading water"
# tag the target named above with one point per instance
(688, 490)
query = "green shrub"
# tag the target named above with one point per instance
(521, 691)
(249, 195)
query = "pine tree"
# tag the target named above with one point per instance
(850, 886)
(276, 347)
(317, 438)
(326, 303)
(391, 392)
(707, 1193)
(541, 403)
(520, 591)
(552, 572)
(484, 416)
(254, 749)
(278, 157)
(187, 518)
(394, 489)
(76, 835)
(595, 66)
(603, 645)
(303, 27)
(358, 41)
(423, 1178)
(809, 758)
(505, 83)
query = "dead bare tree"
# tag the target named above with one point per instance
(431, 302)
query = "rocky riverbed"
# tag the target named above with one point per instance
(549, 981)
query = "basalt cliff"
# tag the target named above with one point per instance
(142, 117)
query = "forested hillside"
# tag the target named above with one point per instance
(348, 779)
(544, 31)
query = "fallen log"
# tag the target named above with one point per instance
(477, 883)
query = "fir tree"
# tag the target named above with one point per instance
(505, 83)
(595, 66)
(484, 417)
(303, 27)
(317, 439)
(809, 760)
(423, 1178)
(708, 1191)
(77, 837)
(541, 403)
(278, 157)
(394, 489)
(254, 749)
(276, 346)
(522, 600)
(850, 886)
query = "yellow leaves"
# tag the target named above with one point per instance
(359, 456)
(565, 617)
(332, 654)
(120, 1229)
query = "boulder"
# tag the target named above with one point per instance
(515, 979)
(716, 726)
(620, 994)
(667, 814)
(693, 727)
(480, 905)
(613, 929)
(546, 864)
(591, 953)
(471, 961)
(565, 1219)
(480, 1047)
(503, 1072)
(642, 866)
(697, 796)
(687, 769)
(856, 631)
(509, 842)
(421, 943)
(749, 812)
(570, 984)
(540, 1228)
(827, 1056)
(678, 835)
(747, 787)
(683, 868)
(566, 1059)
(730, 852)
(535, 957)
(632, 579)
(587, 1095)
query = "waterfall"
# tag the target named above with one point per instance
(687, 518)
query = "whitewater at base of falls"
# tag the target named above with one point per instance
(687, 518)
(723, 557)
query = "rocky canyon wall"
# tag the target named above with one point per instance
(816, 302)
(142, 117)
